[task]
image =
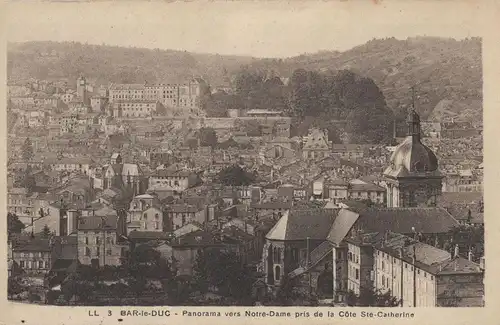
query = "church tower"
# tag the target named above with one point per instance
(81, 90)
(413, 178)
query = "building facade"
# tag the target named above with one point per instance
(413, 178)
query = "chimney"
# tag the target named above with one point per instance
(469, 255)
(400, 252)
(456, 251)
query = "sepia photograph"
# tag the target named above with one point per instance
(245, 156)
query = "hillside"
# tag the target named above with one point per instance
(441, 68)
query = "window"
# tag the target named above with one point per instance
(277, 273)
(157, 216)
(145, 216)
(97, 252)
(108, 252)
(87, 251)
(157, 225)
(21, 263)
(46, 264)
(357, 274)
(40, 264)
(109, 240)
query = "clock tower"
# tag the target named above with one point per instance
(413, 178)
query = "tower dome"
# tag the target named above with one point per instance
(412, 157)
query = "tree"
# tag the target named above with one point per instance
(341, 95)
(467, 237)
(14, 287)
(27, 150)
(235, 176)
(46, 233)
(285, 294)
(145, 261)
(368, 297)
(137, 285)
(29, 181)
(208, 137)
(76, 285)
(14, 225)
(366, 125)
(218, 104)
(224, 271)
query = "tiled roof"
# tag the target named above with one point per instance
(126, 86)
(272, 205)
(448, 198)
(183, 208)
(18, 190)
(135, 234)
(366, 187)
(302, 224)
(461, 213)
(407, 220)
(62, 264)
(236, 233)
(196, 238)
(96, 223)
(32, 245)
(341, 226)
(172, 173)
(458, 265)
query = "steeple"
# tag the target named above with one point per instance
(413, 120)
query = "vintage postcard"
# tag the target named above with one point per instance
(187, 162)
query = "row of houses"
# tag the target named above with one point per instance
(404, 252)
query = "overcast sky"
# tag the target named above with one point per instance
(259, 29)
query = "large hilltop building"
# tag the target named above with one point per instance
(170, 95)
(413, 178)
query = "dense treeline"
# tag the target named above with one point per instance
(320, 98)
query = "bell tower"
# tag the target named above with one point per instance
(413, 178)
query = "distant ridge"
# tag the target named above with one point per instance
(441, 68)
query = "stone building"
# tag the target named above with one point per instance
(413, 178)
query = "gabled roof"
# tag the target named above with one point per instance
(196, 238)
(341, 226)
(302, 224)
